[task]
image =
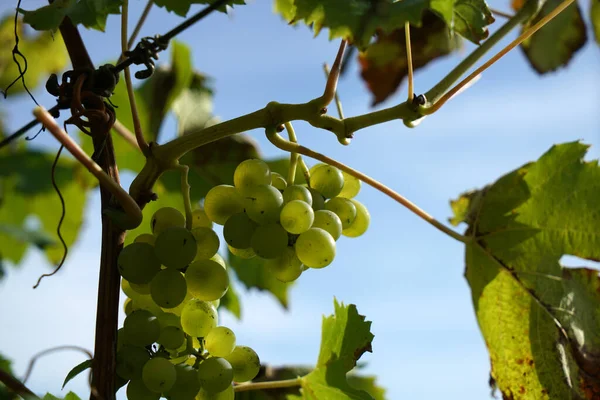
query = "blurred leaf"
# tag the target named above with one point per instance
(90, 13)
(5, 365)
(45, 54)
(468, 18)
(595, 16)
(555, 43)
(384, 63)
(37, 238)
(231, 301)
(79, 368)
(69, 396)
(181, 7)
(526, 221)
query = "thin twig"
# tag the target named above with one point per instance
(288, 146)
(139, 24)
(333, 77)
(126, 134)
(338, 102)
(501, 13)
(14, 385)
(293, 155)
(411, 89)
(244, 387)
(49, 351)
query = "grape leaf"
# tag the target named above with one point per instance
(384, 64)
(181, 7)
(90, 13)
(79, 368)
(521, 226)
(595, 16)
(69, 396)
(45, 54)
(39, 239)
(469, 18)
(345, 337)
(555, 43)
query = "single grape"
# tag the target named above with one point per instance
(215, 303)
(137, 390)
(278, 181)
(287, 267)
(344, 208)
(263, 204)
(217, 257)
(351, 186)
(186, 385)
(361, 223)
(251, 173)
(128, 306)
(315, 248)
(227, 394)
(242, 253)
(171, 337)
(166, 217)
(221, 202)
(269, 241)
(169, 319)
(175, 247)
(297, 192)
(207, 242)
(329, 221)
(198, 318)
(318, 201)
(207, 280)
(326, 179)
(137, 263)
(220, 341)
(141, 288)
(177, 310)
(130, 361)
(200, 219)
(141, 328)
(215, 374)
(145, 238)
(245, 363)
(126, 288)
(159, 375)
(238, 230)
(296, 216)
(145, 302)
(168, 288)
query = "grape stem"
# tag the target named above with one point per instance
(293, 155)
(411, 88)
(244, 387)
(14, 385)
(288, 146)
(125, 134)
(129, 205)
(185, 192)
(332, 78)
(338, 102)
(305, 170)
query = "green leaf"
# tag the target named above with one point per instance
(595, 16)
(521, 226)
(76, 371)
(555, 43)
(90, 13)
(37, 238)
(45, 54)
(69, 396)
(469, 18)
(5, 365)
(181, 7)
(345, 337)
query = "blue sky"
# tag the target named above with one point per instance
(402, 274)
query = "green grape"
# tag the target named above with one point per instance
(217, 257)
(200, 219)
(171, 337)
(278, 181)
(137, 263)
(128, 306)
(296, 216)
(127, 289)
(318, 201)
(242, 253)
(215, 303)
(344, 208)
(198, 318)
(145, 238)
(175, 247)
(251, 173)
(177, 310)
(222, 202)
(168, 288)
(207, 242)
(141, 328)
(238, 230)
(166, 217)
(315, 248)
(215, 374)
(169, 319)
(263, 204)
(145, 302)
(361, 223)
(287, 267)
(220, 341)
(121, 341)
(186, 385)
(130, 361)
(326, 179)
(227, 394)
(297, 192)
(159, 375)
(245, 363)
(137, 390)
(351, 186)
(207, 280)
(329, 221)
(269, 241)
(141, 288)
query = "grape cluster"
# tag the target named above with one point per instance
(170, 344)
(291, 227)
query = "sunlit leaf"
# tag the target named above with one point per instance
(181, 7)
(90, 13)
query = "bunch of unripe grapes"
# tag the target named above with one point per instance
(170, 344)
(291, 227)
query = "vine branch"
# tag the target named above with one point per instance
(16, 386)
(244, 387)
